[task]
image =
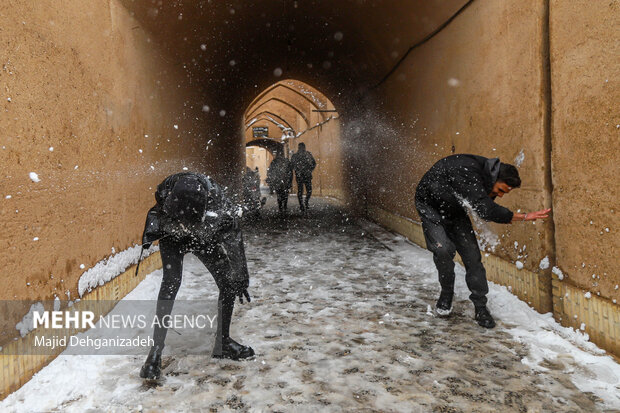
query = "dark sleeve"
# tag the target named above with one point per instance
(313, 162)
(469, 186)
(488, 210)
(152, 227)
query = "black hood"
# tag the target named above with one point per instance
(491, 169)
(187, 200)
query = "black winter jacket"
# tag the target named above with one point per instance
(455, 181)
(280, 174)
(190, 206)
(303, 163)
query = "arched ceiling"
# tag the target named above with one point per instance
(235, 48)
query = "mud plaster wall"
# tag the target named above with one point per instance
(84, 79)
(478, 86)
(585, 79)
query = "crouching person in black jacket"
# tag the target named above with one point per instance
(442, 197)
(192, 214)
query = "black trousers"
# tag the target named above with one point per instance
(224, 264)
(282, 195)
(300, 191)
(444, 239)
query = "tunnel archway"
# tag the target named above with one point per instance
(101, 108)
(290, 112)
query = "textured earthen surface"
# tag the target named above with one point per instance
(89, 104)
(585, 45)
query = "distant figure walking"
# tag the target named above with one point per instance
(280, 178)
(303, 165)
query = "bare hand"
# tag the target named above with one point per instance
(533, 216)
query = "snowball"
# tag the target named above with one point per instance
(34, 177)
(544, 263)
(558, 272)
(519, 265)
(588, 294)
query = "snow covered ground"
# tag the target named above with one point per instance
(341, 320)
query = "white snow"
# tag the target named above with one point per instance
(111, 267)
(558, 272)
(544, 263)
(588, 294)
(34, 177)
(519, 265)
(519, 159)
(111, 383)
(26, 325)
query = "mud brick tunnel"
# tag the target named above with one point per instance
(100, 100)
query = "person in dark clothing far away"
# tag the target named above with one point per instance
(444, 194)
(303, 165)
(280, 178)
(193, 214)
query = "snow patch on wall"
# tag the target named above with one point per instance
(111, 267)
(558, 272)
(544, 263)
(519, 159)
(26, 325)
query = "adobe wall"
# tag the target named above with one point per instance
(585, 78)
(84, 79)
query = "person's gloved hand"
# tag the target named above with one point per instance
(244, 293)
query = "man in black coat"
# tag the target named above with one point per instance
(444, 194)
(280, 178)
(303, 165)
(192, 214)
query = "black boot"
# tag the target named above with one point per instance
(151, 370)
(484, 318)
(233, 350)
(444, 304)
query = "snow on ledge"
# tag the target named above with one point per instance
(111, 267)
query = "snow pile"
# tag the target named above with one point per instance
(544, 263)
(26, 325)
(111, 267)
